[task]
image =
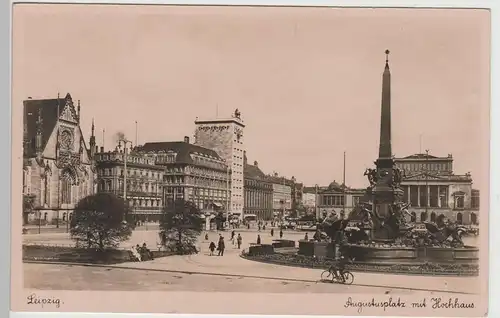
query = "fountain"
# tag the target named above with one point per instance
(377, 231)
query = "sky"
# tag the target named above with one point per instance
(306, 80)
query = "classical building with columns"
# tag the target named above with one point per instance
(225, 137)
(432, 189)
(57, 165)
(143, 177)
(258, 192)
(338, 199)
(191, 172)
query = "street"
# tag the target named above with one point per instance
(230, 272)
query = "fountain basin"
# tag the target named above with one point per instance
(387, 253)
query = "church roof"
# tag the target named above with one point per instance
(183, 150)
(49, 114)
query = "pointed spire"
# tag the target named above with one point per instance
(92, 141)
(387, 59)
(78, 111)
(385, 149)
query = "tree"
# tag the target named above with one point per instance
(100, 220)
(180, 226)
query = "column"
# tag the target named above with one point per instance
(428, 187)
(418, 195)
(409, 193)
(439, 196)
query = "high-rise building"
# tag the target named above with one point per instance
(225, 137)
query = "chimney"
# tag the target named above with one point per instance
(186, 139)
(29, 97)
(96, 149)
(102, 149)
(255, 163)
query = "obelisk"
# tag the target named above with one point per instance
(385, 193)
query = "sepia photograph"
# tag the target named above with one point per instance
(250, 159)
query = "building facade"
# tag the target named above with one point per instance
(258, 192)
(193, 173)
(144, 181)
(57, 165)
(282, 195)
(432, 189)
(225, 137)
(337, 199)
(309, 200)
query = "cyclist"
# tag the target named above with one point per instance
(338, 268)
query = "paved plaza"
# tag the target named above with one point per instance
(230, 272)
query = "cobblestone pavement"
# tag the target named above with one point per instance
(223, 273)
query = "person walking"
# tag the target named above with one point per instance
(212, 248)
(258, 239)
(239, 240)
(272, 232)
(232, 236)
(221, 246)
(281, 233)
(306, 237)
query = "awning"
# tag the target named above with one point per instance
(217, 204)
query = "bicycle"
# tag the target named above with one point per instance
(346, 276)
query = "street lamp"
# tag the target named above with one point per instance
(427, 192)
(125, 142)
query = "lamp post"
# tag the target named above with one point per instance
(125, 142)
(427, 181)
(316, 212)
(227, 194)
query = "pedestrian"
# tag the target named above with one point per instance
(306, 237)
(206, 236)
(239, 240)
(272, 232)
(221, 246)
(212, 248)
(281, 233)
(264, 227)
(258, 239)
(232, 236)
(259, 227)
(248, 226)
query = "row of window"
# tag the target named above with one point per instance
(425, 166)
(131, 172)
(207, 162)
(107, 186)
(119, 156)
(134, 203)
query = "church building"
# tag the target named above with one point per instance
(57, 167)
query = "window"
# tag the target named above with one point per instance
(475, 200)
(459, 201)
(66, 188)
